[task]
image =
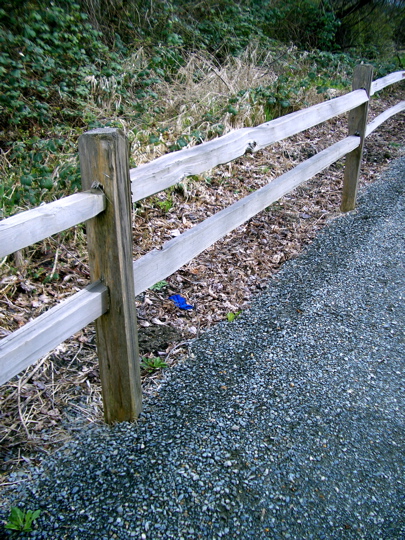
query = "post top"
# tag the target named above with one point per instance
(102, 131)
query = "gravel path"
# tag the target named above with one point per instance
(286, 423)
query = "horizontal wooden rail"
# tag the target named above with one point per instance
(29, 343)
(392, 78)
(158, 264)
(172, 168)
(34, 225)
(381, 118)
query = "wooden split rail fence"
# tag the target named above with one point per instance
(110, 188)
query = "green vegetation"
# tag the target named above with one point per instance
(171, 73)
(152, 364)
(21, 521)
(165, 204)
(159, 285)
(232, 316)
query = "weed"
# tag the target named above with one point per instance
(159, 285)
(166, 204)
(232, 316)
(153, 364)
(20, 520)
(59, 75)
(266, 169)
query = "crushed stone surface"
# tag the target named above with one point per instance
(286, 423)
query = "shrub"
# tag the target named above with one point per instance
(46, 52)
(306, 23)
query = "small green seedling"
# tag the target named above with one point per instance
(165, 205)
(153, 364)
(159, 285)
(20, 520)
(232, 316)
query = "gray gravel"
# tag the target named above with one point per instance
(286, 423)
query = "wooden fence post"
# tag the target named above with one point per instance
(104, 164)
(362, 78)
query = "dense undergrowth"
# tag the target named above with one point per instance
(171, 74)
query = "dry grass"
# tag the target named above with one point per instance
(202, 85)
(199, 87)
(201, 82)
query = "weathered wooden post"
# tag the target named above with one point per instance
(104, 164)
(362, 78)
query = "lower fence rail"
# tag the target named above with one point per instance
(158, 264)
(35, 339)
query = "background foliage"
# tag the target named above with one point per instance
(66, 67)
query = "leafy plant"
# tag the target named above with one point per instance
(153, 364)
(34, 171)
(20, 520)
(307, 23)
(46, 52)
(159, 285)
(232, 316)
(166, 204)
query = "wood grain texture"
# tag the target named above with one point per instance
(34, 225)
(104, 159)
(35, 339)
(381, 118)
(392, 78)
(158, 264)
(357, 123)
(172, 168)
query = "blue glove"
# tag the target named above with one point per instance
(180, 302)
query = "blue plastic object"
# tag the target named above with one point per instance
(180, 302)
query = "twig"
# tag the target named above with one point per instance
(12, 483)
(178, 346)
(20, 411)
(53, 387)
(75, 356)
(55, 263)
